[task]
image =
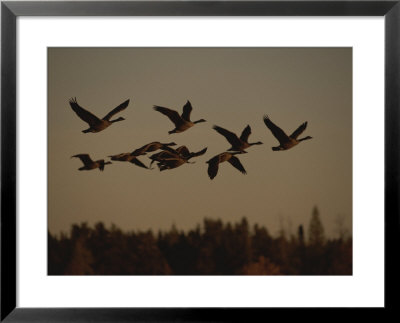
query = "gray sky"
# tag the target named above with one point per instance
(229, 87)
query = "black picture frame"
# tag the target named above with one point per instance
(10, 10)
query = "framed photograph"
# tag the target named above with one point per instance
(196, 161)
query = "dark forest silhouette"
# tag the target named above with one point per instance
(215, 248)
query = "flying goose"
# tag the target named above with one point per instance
(184, 152)
(181, 152)
(90, 164)
(165, 154)
(96, 124)
(170, 163)
(214, 162)
(238, 144)
(129, 158)
(171, 158)
(285, 142)
(182, 122)
(153, 146)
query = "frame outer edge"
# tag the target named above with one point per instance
(203, 8)
(392, 151)
(8, 161)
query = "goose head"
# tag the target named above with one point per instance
(305, 138)
(235, 151)
(119, 119)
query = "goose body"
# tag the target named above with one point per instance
(162, 155)
(182, 122)
(89, 164)
(171, 158)
(238, 143)
(96, 124)
(170, 163)
(153, 146)
(180, 152)
(129, 158)
(184, 152)
(285, 142)
(213, 163)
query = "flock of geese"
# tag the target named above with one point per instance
(169, 158)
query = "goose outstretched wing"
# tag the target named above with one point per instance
(171, 114)
(187, 109)
(245, 134)
(119, 108)
(199, 153)
(299, 130)
(235, 162)
(213, 165)
(85, 115)
(276, 131)
(230, 136)
(85, 158)
(143, 150)
(137, 162)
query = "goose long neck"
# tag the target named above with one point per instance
(116, 120)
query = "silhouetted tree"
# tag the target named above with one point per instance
(316, 230)
(261, 243)
(315, 262)
(81, 260)
(263, 266)
(300, 234)
(59, 253)
(214, 248)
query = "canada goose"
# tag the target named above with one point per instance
(129, 158)
(238, 144)
(96, 124)
(171, 158)
(182, 122)
(181, 152)
(214, 162)
(286, 142)
(170, 163)
(90, 164)
(153, 146)
(185, 153)
(165, 154)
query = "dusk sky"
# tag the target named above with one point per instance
(228, 87)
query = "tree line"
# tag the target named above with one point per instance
(214, 248)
